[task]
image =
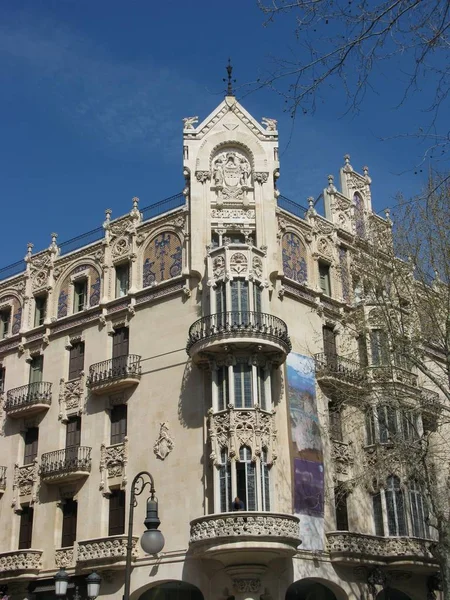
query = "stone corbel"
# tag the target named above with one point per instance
(202, 176)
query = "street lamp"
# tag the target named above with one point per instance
(93, 582)
(152, 540)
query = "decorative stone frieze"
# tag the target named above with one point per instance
(106, 550)
(113, 463)
(64, 558)
(26, 481)
(27, 562)
(347, 547)
(235, 428)
(71, 394)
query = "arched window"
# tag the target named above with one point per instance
(294, 258)
(265, 482)
(395, 507)
(418, 511)
(225, 482)
(245, 476)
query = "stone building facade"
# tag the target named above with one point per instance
(202, 339)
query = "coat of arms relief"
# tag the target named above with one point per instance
(231, 176)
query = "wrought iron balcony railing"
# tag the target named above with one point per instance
(27, 396)
(107, 371)
(240, 324)
(74, 459)
(339, 367)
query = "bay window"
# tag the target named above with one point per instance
(386, 424)
(243, 385)
(245, 478)
(399, 510)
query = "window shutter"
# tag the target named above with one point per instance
(31, 445)
(118, 424)
(117, 513)
(36, 369)
(378, 514)
(329, 344)
(120, 342)
(73, 432)
(340, 505)
(2, 379)
(26, 528)
(69, 528)
(222, 385)
(76, 360)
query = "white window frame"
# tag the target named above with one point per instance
(256, 381)
(119, 290)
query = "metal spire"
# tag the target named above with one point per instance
(230, 80)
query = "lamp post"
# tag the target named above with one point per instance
(93, 582)
(152, 540)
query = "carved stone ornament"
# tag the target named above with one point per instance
(257, 267)
(202, 176)
(164, 444)
(64, 558)
(71, 398)
(235, 428)
(26, 481)
(342, 456)
(231, 174)
(121, 247)
(113, 462)
(262, 177)
(189, 122)
(238, 263)
(270, 124)
(219, 266)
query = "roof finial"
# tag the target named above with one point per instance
(230, 80)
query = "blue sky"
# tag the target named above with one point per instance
(93, 96)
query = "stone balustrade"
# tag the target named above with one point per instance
(20, 562)
(346, 547)
(109, 551)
